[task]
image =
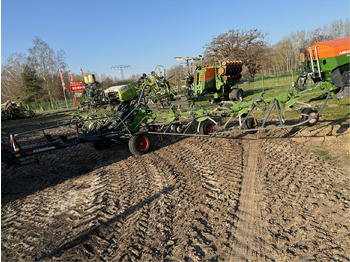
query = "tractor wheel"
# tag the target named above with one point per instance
(139, 144)
(101, 144)
(205, 128)
(311, 114)
(236, 94)
(251, 123)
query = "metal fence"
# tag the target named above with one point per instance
(276, 79)
(54, 105)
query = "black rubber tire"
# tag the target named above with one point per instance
(101, 144)
(310, 112)
(251, 123)
(139, 144)
(205, 128)
(236, 94)
(179, 129)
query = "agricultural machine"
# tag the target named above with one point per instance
(157, 90)
(121, 93)
(93, 94)
(216, 82)
(328, 62)
(101, 131)
(15, 110)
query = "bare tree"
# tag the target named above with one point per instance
(46, 62)
(250, 46)
(11, 76)
(177, 75)
(286, 52)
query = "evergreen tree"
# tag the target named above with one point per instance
(31, 86)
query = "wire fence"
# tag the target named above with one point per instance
(47, 106)
(277, 79)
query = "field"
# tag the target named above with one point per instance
(272, 196)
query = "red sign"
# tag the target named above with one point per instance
(76, 86)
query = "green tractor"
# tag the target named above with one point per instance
(327, 61)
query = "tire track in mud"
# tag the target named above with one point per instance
(306, 210)
(164, 205)
(249, 243)
(125, 222)
(207, 214)
(45, 215)
(170, 211)
(130, 226)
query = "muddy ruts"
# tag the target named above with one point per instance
(305, 206)
(221, 199)
(169, 204)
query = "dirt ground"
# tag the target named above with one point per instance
(260, 197)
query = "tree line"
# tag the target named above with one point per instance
(34, 77)
(258, 55)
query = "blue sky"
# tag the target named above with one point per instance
(98, 34)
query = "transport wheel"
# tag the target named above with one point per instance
(311, 114)
(102, 144)
(251, 123)
(139, 144)
(236, 94)
(300, 83)
(205, 128)
(173, 128)
(179, 129)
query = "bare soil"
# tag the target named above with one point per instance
(258, 197)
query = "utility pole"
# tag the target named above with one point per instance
(121, 67)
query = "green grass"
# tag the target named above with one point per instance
(337, 109)
(324, 154)
(270, 82)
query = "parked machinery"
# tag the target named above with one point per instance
(216, 82)
(15, 110)
(329, 62)
(137, 118)
(93, 94)
(219, 80)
